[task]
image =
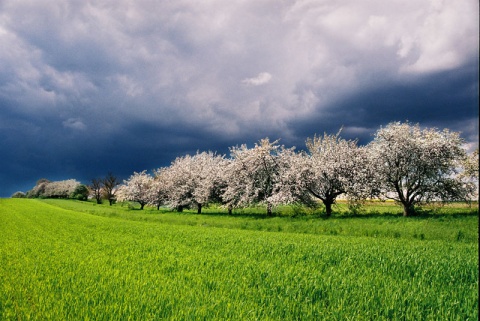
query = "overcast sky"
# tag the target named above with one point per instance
(88, 87)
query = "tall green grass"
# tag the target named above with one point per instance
(455, 222)
(69, 264)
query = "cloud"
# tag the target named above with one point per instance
(261, 79)
(74, 123)
(166, 77)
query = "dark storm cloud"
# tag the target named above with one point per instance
(447, 99)
(122, 86)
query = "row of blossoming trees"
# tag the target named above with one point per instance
(404, 163)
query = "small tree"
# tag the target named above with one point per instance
(80, 193)
(110, 183)
(136, 189)
(19, 194)
(415, 165)
(96, 187)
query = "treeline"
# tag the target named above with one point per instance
(99, 189)
(45, 188)
(404, 163)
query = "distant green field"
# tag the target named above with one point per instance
(69, 260)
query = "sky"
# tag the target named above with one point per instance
(91, 87)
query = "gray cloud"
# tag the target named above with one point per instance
(145, 81)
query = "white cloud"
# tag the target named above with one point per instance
(261, 79)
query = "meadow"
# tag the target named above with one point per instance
(71, 260)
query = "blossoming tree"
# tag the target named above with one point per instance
(136, 189)
(415, 165)
(253, 175)
(193, 180)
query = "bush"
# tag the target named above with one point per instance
(80, 193)
(19, 195)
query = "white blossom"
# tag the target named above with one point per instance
(254, 175)
(415, 165)
(193, 180)
(136, 189)
(332, 167)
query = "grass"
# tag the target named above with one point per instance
(67, 260)
(455, 222)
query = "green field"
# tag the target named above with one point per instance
(69, 260)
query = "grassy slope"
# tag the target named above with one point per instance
(58, 263)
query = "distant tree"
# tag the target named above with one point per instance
(160, 189)
(110, 183)
(193, 180)
(254, 175)
(415, 165)
(470, 171)
(60, 189)
(19, 194)
(96, 186)
(81, 192)
(470, 165)
(39, 189)
(331, 167)
(136, 189)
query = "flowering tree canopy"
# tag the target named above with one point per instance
(136, 189)
(417, 165)
(193, 179)
(254, 175)
(55, 189)
(332, 167)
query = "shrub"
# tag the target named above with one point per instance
(19, 195)
(80, 193)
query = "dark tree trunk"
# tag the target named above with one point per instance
(142, 205)
(230, 209)
(408, 210)
(269, 210)
(328, 207)
(180, 208)
(199, 208)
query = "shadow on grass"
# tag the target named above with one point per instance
(260, 213)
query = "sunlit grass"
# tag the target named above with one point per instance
(65, 260)
(378, 219)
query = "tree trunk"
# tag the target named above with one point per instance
(142, 205)
(328, 207)
(408, 210)
(230, 209)
(179, 208)
(199, 208)
(269, 210)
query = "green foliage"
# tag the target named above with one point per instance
(80, 193)
(58, 262)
